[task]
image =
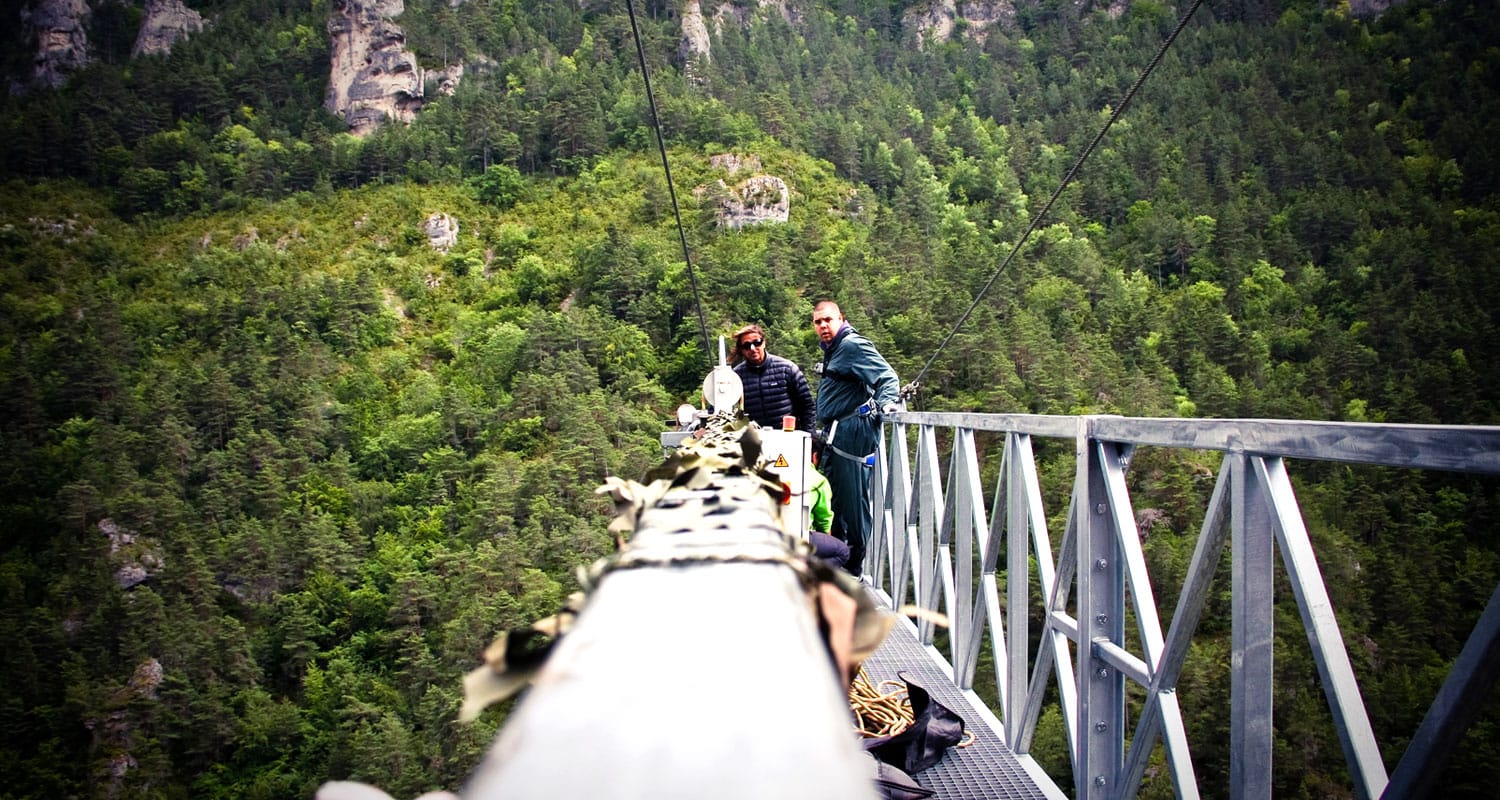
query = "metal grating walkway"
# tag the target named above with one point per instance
(984, 769)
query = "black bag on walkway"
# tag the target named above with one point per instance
(935, 729)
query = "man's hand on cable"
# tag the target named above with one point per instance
(890, 408)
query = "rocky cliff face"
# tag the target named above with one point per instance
(698, 21)
(936, 21)
(134, 557)
(442, 231)
(61, 43)
(932, 21)
(757, 200)
(1366, 9)
(695, 42)
(373, 78)
(59, 28)
(116, 730)
(166, 23)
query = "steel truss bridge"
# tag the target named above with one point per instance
(942, 542)
(700, 671)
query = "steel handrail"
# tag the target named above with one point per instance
(932, 528)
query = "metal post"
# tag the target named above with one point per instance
(928, 495)
(898, 501)
(880, 512)
(1017, 579)
(1101, 611)
(968, 529)
(1252, 635)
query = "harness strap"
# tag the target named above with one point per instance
(861, 460)
(865, 409)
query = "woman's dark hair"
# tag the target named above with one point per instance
(735, 357)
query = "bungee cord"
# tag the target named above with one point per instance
(661, 146)
(909, 389)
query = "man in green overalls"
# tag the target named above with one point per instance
(857, 386)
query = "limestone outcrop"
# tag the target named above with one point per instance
(115, 731)
(757, 200)
(442, 231)
(1368, 9)
(937, 20)
(448, 79)
(695, 42)
(373, 78)
(134, 558)
(166, 22)
(61, 42)
(698, 22)
(60, 30)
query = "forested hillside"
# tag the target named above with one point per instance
(275, 469)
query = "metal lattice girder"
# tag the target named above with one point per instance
(1251, 671)
(1252, 509)
(1161, 697)
(1455, 707)
(1339, 684)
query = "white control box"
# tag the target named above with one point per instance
(788, 454)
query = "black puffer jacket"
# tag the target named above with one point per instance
(775, 389)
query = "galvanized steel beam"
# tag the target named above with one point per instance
(1252, 509)
(1323, 635)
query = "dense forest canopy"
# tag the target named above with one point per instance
(276, 470)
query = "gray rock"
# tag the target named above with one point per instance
(936, 21)
(134, 558)
(757, 200)
(166, 23)
(372, 78)
(442, 232)
(61, 41)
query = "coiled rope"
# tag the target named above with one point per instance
(884, 709)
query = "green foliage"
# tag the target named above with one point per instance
(500, 186)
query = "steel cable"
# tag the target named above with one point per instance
(1036, 220)
(640, 51)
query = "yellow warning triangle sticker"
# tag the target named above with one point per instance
(781, 461)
